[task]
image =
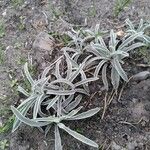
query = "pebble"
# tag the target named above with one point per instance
(141, 76)
(43, 42)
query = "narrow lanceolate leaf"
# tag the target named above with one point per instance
(99, 67)
(102, 42)
(102, 51)
(27, 121)
(97, 28)
(74, 112)
(129, 40)
(52, 102)
(23, 91)
(47, 69)
(74, 103)
(83, 77)
(26, 71)
(67, 101)
(58, 145)
(84, 115)
(140, 25)
(57, 71)
(61, 92)
(119, 69)
(38, 102)
(104, 76)
(23, 110)
(78, 136)
(112, 40)
(69, 64)
(62, 81)
(85, 81)
(92, 62)
(80, 90)
(29, 99)
(133, 46)
(146, 38)
(115, 78)
(129, 23)
(76, 73)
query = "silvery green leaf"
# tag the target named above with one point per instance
(57, 71)
(89, 32)
(113, 42)
(23, 91)
(87, 39)
(104, 76)
(140, 27)
(64, 81)
(28, 76)
(67, 101)
(91, 49)
(78, 136)
(23, 110)
(121, 72)
(133, 46)
(76, 73)
(146, 27)
(50, 119)
(129, 40)
(84, 115)
(99, 66)
(129, 23)
(115, 78)
(83, 77)
(27, 121)
(41, 113)
(75, 57)
(29, 99)
(102, 42)
(97, 28)
(58, 145)
(85, 81)
(80, 90)
(74, 103)
(118, 53)
(69, 64)
(52, 102)
(61, 92)
(74, 112)
(146, 38)
(47, 129)
(68, 49)
(99, 50)
(46, 70)
(92, 62)
(38, 102)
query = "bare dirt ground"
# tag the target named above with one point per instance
(126, 124)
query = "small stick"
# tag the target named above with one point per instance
(128, 123)
(105, 105)
(110, 100)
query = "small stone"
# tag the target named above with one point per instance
(4, 13)
(43, 42)
(141, 76)
(120, 33)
